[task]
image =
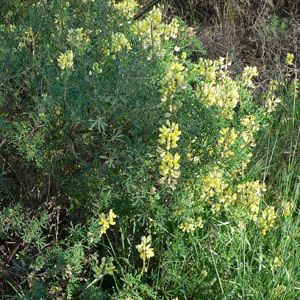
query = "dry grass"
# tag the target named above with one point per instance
(257, 33)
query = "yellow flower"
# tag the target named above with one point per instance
(279, 289)
(127, 7)
(169, 166)
(105, 222)
(250, 194)
(145, 250)
(191, 224)
(248, 73)
(65, 60)
(286, 206)
(277, 262)
(267, 219)
(213, 184)
(119, 42)
(111, 217)
(289, 58)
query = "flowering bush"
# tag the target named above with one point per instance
(137, 155)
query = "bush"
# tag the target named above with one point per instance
(137, 156)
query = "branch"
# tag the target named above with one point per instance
(146, 9)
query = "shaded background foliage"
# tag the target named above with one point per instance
(67, 137)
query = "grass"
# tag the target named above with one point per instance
(277, 160)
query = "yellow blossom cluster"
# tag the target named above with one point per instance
(271, 103)
(217, 88)
(248, 74)
(153, 32)
(267, 219)
(277, 262)
(246, 161)
(191, 224)
(251, 126)
(169, 166)
(227, 138)
(271, 100)
(249, 123)
(169, 135)
(65, 60)
(126, 7)
(286, 206)
(208, 69)
(289, 58)
(119, 42)
(225, 199)
(279, 289)
(77, 36)
(229, 198)
(173, 80)
(106, 221)
(249, 195)
(145, 250)
(213, 185)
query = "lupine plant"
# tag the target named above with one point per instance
(127, 165)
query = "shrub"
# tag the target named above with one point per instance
(137, 155)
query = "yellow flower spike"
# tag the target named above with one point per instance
(169, 166)
(191, 225)
(118, 43)
(111, 217)
(157, 15)
(164, 170)
(267, 219)
(249, 194)
(176, 158)
(277, 262)
(279, 289)
(171, 163)
(286, 206)
(65, 60)
(289, 58)
(106, 222)
(199, 223)
(145, 250)
(126, 7)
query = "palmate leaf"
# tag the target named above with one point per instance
(99, 124)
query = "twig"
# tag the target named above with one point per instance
(146, 9)
(14, 251)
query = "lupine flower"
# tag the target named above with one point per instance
(105, 222)
(65, 60)
(289, 58)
